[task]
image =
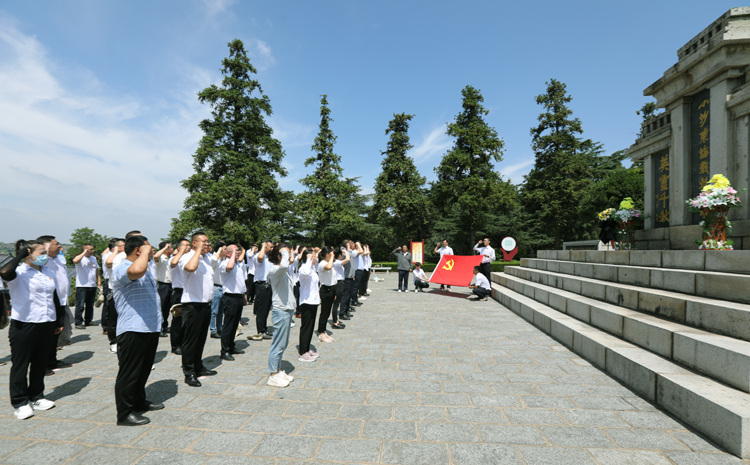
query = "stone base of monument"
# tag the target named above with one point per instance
(683, 237)
(673, 326)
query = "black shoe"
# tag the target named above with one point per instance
(61, 364)
(357, 304)
(226, 356)
(163, 334)
(215, 336)
(236, 351)
(177, 351)
(206, 372)
(149, 407)
(344, 317)
(80, 326)
(191, 380)
(134, 419)
(351, 310)
(49, 372)
(338, 326)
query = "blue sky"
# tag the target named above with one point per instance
(99, 110)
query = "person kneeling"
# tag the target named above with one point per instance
(139, 322)
(420, 279)
(481, 287)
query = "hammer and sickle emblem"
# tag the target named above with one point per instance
(448, 265)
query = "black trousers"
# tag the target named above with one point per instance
(105, 310)
(85, 297)
(403, 277)
(52, 359)
(307, 326)
(486, 270)
(250, 284)
(175, 332)
(346, 296)
(262, 305)
(296, 298)
(165, 297)
(327, 296)
(196, 317)
(135, 353)
(419, 284)
(355, 290)
(363, 282)
(337, 300)
(111, 319)
(481, 292)
(232, 305)
(29, 350)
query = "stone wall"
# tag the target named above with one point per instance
(684, 237)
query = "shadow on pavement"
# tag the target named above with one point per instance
(78, 357)
(68, 388)
(161, 390)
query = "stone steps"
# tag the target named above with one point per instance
(717, 316)
(713, 284)
(718, 411)
(720, 357)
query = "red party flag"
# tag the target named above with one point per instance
(455, 270)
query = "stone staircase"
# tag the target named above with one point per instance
(673, 326)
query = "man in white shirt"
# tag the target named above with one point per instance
(62, 286)
(111, 260)
(420, 279)
(364, 257)
(217, 312)
(233, 298)
(444, 250)
(87, 280)
(360, 262)
(164, 283)
(198, 290)
(481, 287)
(488, 256)
(250, 281)
(263, 292)
(175, 330)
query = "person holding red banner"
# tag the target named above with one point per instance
(444, 250)
(481, 287)
(404, 267)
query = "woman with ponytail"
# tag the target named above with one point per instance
(328, 283)
(36, 317)
(309, 299)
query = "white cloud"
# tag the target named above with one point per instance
(214, 7)
(435, 143)
(76, 155)
(516, 171)
(261, 55)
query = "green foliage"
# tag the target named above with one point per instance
(326, 206)
(85, 236)
(609, 192)
(562, 172)
(234, 193)
(468, 188)
(401, 202)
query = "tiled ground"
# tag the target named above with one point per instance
(415, 379)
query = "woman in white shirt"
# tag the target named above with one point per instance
(309, 299)
(36, 316)
(338, 268)
(328, 282)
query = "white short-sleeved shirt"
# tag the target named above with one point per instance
(250, 262)
(62, 282)
(163, 270)
(176, 275)
(198, 286)
(361, 262)
(445, 251)
(261, 268)
(233, 281)
(419, 273)
(32, 295)
(106, 272)
(309, 289)
(338, 268)
(215, 262)
(481, 281)
(327, 277)
(116, 261)
(86, 272)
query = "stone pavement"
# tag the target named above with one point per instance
(414, 379)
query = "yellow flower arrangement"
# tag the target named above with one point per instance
(719, 181)
(606, 214)
(627, 204)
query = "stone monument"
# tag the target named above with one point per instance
(704, 130)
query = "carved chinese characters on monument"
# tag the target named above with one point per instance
(700, 137)
(660, 162)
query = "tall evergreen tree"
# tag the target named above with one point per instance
(401, 202)
(326, 206)
(556, 185)
(467, 183)
(234, 192)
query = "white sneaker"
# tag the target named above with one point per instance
(113, 348)
(362, 298)
(43, 404)
(416, 291)
(369, 291)
(24, 412)
(400, 290)
(286, 375)
(278, 380)
(293, 324)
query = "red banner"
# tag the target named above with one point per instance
(455, 270)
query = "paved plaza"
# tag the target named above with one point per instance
(414, 379)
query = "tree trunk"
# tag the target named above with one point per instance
(472, 239)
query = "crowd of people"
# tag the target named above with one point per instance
(204, 287)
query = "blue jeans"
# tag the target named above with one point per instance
(281, 320)
(216, 310)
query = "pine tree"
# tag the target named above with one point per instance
(467, 183)
(401, 202)
(234, 193)
(326, 205)
(561, 175)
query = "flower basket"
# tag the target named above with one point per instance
(713, 204)
(626, 217)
